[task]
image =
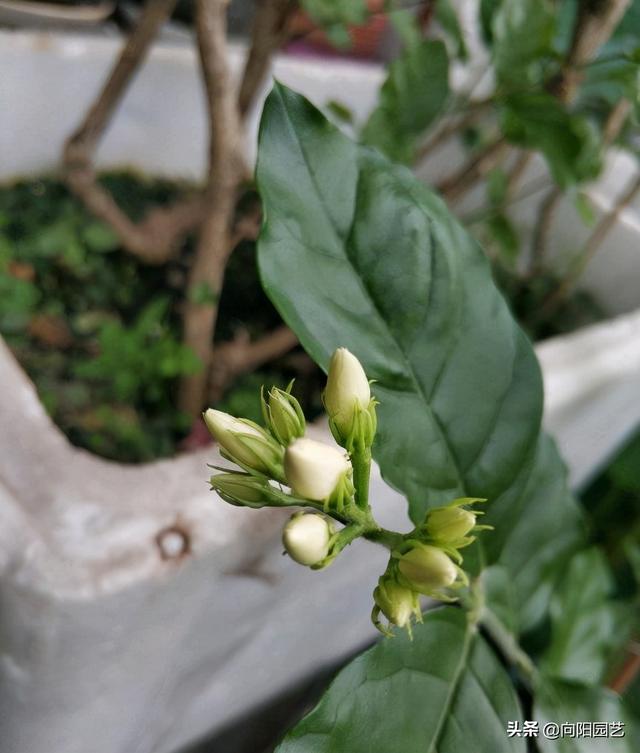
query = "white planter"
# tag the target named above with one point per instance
(138, 612)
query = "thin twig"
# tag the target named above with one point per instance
(240, 356)
(595, 24)
(542, 229)
(628, 672)
(517, 171)
(156, 237)
(450, 127)
(616, 120)
(595, 240)
(477, 167)
(226, 170)
(268, 33)
(531, 188)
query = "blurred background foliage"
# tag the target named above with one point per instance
(100, 331)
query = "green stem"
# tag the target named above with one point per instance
(361, 462)
(344, 537)
(390, 539)
(508, 645)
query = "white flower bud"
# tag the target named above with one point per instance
(347, 389)
(306, 538)
(245, 443)
(314, 470)
(426, 569)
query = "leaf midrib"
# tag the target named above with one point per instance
(470, 632)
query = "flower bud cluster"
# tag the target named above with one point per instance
(428, 563)
(279, 466)
(317, 474)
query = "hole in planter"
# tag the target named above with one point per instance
(174, 543)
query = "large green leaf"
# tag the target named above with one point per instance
(412, 96)
(558, 702)
(356, 252)
(586, 624)
(444, 692)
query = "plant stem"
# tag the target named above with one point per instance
(156, 237)
(226, 171)
(343, 538)
(507, 643)
(241, 355)
(361, 462)
(268, 32)
(593, 27)
(628, 672)
(389, 539)
(458, 184)
(542, 231)
(594, 242)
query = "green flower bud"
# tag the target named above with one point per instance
(449, 524)
(427, 569)
(306, 538)
(242, 489)
(316, 471)
(397, 603)
(283, 415)
(347, 399)
(246, 444)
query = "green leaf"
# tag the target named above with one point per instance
(586, 625)
(557, 702)
(632, 553)
(335, 15)
(203, 295)
(522, 33)
(500, 597)
(100, 237)
(448, 18)
(355, 252)
(340, 111)
(444, 692)
(632, 709)
(504, 234)
(611, 80)
(497, 185)
(568, 141)
(487, 11)
(411, 98)
(585, 208)
(625, 469)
